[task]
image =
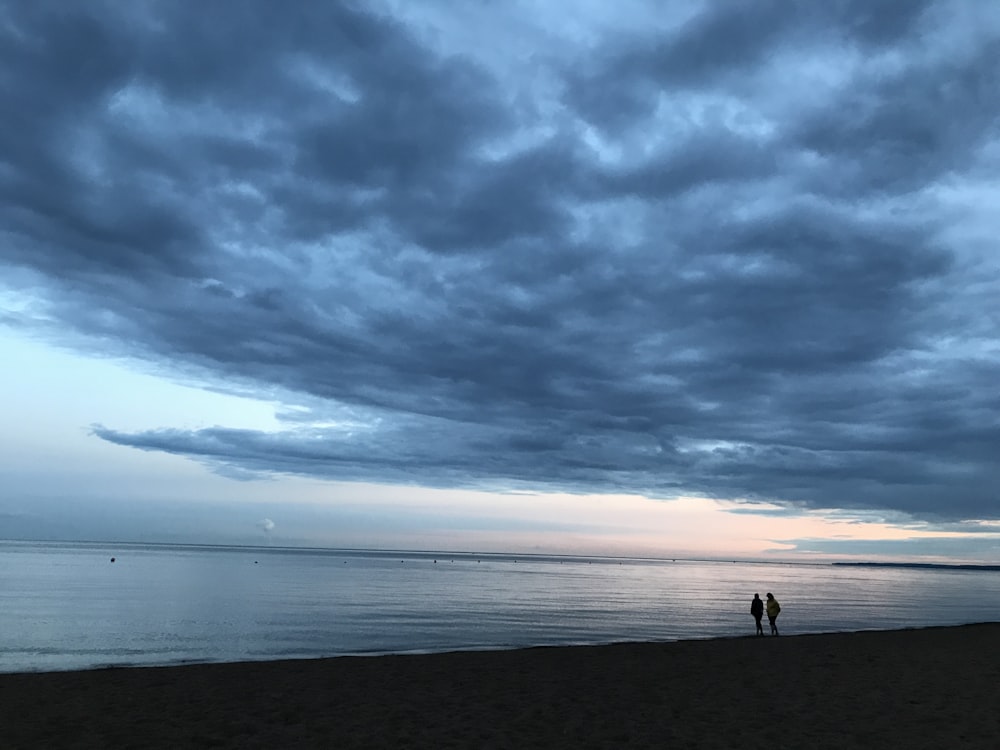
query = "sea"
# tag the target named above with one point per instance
(68, 606)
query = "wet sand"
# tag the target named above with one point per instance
(923, 688)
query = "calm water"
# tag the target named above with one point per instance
(66, 606)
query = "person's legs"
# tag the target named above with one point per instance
(774, 626)
(760, 628)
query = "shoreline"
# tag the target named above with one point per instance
(917, 687)
(459, 650)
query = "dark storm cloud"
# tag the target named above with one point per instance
(726, 44)
(717, 259)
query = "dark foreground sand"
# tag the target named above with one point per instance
(927, 688)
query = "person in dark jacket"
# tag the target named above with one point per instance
(757, 610)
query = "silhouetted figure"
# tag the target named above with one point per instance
(773, 608)
(757, 610)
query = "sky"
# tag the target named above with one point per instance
(671, 279)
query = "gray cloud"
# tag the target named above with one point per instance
(942, 547)
(719, 258)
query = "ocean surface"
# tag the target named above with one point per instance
(67, 606)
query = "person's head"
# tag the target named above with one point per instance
(770, 596)
(756, 596)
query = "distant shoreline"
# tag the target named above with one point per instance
(931, 566)
(492, 555)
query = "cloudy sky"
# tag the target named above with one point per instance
(663, 278)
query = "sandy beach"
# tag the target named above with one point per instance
(923, 688)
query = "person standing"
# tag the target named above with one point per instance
(773, 608)
(757, 610)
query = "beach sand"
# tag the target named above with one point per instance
(922, 688)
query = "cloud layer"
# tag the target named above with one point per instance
(744, 251)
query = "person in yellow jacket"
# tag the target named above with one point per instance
(773, 608)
